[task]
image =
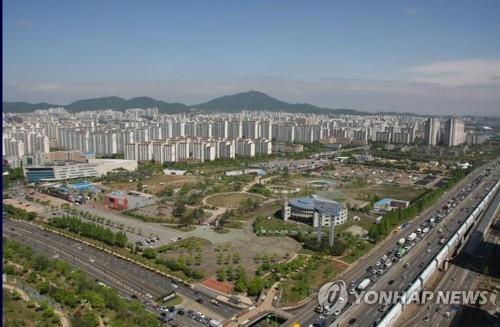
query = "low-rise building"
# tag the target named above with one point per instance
(315, 211)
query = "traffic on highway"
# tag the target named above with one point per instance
(131, 280)
(403, 260)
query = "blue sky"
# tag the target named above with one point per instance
(423, 56)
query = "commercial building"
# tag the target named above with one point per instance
(387, 204)
(315, 211)
(93, 168)
(128, 200)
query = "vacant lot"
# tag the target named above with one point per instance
(383, 191)
(230, 200)
(241, 251)
(155, 183)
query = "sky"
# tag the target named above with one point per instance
(439, 57)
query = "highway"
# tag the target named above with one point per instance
(128, 278)
(457, 277)
(366, 315)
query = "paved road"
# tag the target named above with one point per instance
(307, 316)
(458, 277)
(127, 277)
(422, 253)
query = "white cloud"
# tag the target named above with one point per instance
(458, 73)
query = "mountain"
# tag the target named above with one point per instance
(122, 104)
(256, 101)
(115, 103)
(23, 107)
(250, 101)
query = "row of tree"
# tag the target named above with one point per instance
(18, 213)
(90, 230)
(71, 288)
(392, 219)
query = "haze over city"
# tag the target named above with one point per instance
(424, 57)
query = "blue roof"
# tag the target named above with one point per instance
(383, 202)
(81, 185)
(322, 205)
(303, 203)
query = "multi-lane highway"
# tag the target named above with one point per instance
(128, 278)
(463, 274)
(398, 277)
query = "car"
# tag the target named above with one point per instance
(373, 278)
(352, 291)
(91, 260)
(181, 312)
(390, 282)
(406, 265)
(383, 307)
(215, 302)
(429, 250)
(352, 321)
(380, 272)
(318, 309)
(199, 300)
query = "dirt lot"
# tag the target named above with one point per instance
(53, 200)
(155, 183)
(26, 205)
(229, 200)
(247, 247)
(383, 191)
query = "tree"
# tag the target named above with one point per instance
(149, 253)
(179, 209)
(255, 286)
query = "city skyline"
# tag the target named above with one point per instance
(430, 58)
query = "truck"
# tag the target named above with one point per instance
(401, 252)
(401, 241)
(214, 323)
(412, 237)
(364, 284)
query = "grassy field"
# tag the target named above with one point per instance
(230, 200)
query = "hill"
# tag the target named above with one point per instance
(23, 107)
(258, 101)
(250, 101)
